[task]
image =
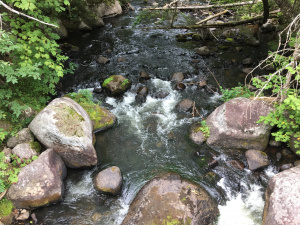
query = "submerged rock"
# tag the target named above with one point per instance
(161, 94)
(109, 180)
(142, 93)
(144, 75)
(66, 127)
(116, 85)
(233, 125)
(171, 200)
(40, 183)
(257, 159)
(177, 77)
(103, 60)
(282, 198)
(203, 51)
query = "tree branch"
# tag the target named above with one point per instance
(22, 14)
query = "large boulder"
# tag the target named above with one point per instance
(116, 85)
(40, 183)
(171, 200)
(103, 10)
(282, 198)
(24, 135)
(234, 125)
(65, 127)
(109, 180)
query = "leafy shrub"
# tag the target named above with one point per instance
(240, 91)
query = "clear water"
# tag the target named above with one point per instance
(153, 137)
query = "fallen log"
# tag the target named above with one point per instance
(211, 17)
(194, 7)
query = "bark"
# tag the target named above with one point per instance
(287, 9)
(266, 10)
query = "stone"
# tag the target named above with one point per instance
(109, 180)
(177, 77)
(185, 105)
(286, 166)
(169, 199)
(233, 125)
(144, 75)
(161, 94)
(196, 135)
(297, 163)
(121, 59)
(103, 60)
(142, 93)
(97, 89)
(24, 135)
(237, 164)
(24, 151)
(287, 152)
(274, 144)
(268, 27)
(40, 183)
(66, 127)
(247, 61)
(247, 70)
(104, 10)
(278, 156)
(7, 152)
(179, 86)
(203, 51)
(257, 159)
(23, 215)
(116, 85)
(202, 84)
(83, 26)
(282, 203)
(61, 30)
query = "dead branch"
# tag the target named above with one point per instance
(22, 14)
(194, 7)
(212, 75)
(211, 17)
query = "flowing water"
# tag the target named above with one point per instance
(152, 137)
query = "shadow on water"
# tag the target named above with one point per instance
(152, 137)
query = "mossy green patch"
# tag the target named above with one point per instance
(174, 221)
(68, 120)
(125, 83)
(6, 207)
(229, 39)
(35, 146)
(106, 81)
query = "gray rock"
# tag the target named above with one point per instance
(40, 183)
(24, 135)
(268, 27)
(278, 156)
(7, 152)
(282, 198)
(104, 10)
(65, 127)
(274, 144)
(103, 60)
(109, 180)
(233, 125)
(286, 166)
(247, 70)
(177, 77)
(61, 30)
(161, 94)
(204, 51)
(171, 200)
(116, 85)
(24, 151)
(256, 159)
(247, 61)
(23, 215)
(97, 90)
(84, 27)
(196, 135)
(185, 105)
(142, 93)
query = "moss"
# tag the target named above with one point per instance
(6, 207)
(125, 83)
(35, 146)
(229, 39)
(171, 221)
(68, 120)
(106, 81)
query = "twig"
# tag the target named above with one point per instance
(212, 75)
(22, 14)
(211, 17)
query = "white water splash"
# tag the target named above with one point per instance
(242, 209)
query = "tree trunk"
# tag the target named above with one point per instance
(266, 10)
(287, 9)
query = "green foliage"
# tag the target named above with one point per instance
(3, 135)
(106, 81)
(31, 62)
(286, 118)
(240, 91)
(6, 207)
(83, 96)
(204, 128)
(9, 171)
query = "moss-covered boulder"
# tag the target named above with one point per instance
(171, 200)
(234, 125)
(66, 127)
(196, 134)
(40, 183)
(116, 85)
(102, 118)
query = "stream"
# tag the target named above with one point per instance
(153, 137)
